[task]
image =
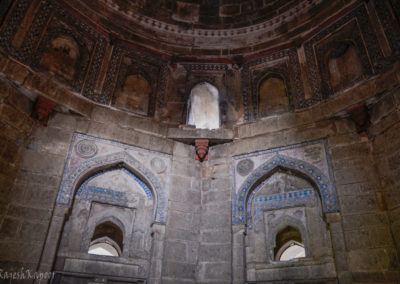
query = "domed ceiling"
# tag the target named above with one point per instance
(208, 14)
(217, 27)
(145, 56)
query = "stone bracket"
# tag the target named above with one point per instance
(359, 114)
(201, 146)
(43, 109)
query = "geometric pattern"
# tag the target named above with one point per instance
(93, 193)
(89, 193)
(121, 159)
(275, 201)
(322, 183)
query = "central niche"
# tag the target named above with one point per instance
(203, 107)
(286, 228)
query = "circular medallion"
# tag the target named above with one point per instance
(244, 167)
(158, 165)
(86, 149)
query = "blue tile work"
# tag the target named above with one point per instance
(275, 201)
(109, 194)
(72, 177)
(92, 193)
(324, 185)
(141, 183)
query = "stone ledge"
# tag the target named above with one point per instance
(187, 136)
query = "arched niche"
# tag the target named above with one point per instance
(284, 235)
(113, 206)
(283, 206)
(203, 107)
(91, 167)
(134, 95)
(107, 239)
(344, 65)
(322, 184)
(61, 58)
(272, 95)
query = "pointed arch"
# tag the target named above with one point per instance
(86, 169)
(203, 106)
(312, 173)
(280, 224)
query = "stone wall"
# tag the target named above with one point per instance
(384, 132)
(16, 126)
(198, 244)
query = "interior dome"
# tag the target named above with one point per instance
(216, 27)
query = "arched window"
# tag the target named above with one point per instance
(203, 107)
(272, 97)
(134, 95)
(344, 66)
(289, 244)
(107, 240)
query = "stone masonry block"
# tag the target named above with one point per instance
(175, 251)
(179, 270)
(215, 253)
(357, 221)
(213, 271)
(42, 163)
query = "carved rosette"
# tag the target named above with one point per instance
(244, 167)
(158, 165)
(86, 149)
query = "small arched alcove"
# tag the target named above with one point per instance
(272, 95)
(107, 240)
(134, 94)
(289, 244)
(61, 58)
(203, 107)
(344, 65)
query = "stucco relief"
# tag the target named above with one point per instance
(89, 156)
(309, 159)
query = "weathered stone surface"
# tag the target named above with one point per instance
(214, 271)
(42, 163)
(179, 270)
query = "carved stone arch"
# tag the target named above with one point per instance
(279, 224)
(198, 81)
(277, 73)
(192, 85)
(112, 219)
(86, 169)
(215, 109)
(98, 221)
(143, 186)
(270, 73)
(323, 185)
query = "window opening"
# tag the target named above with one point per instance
(289, 244)
(107, 240)
(204, 107)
